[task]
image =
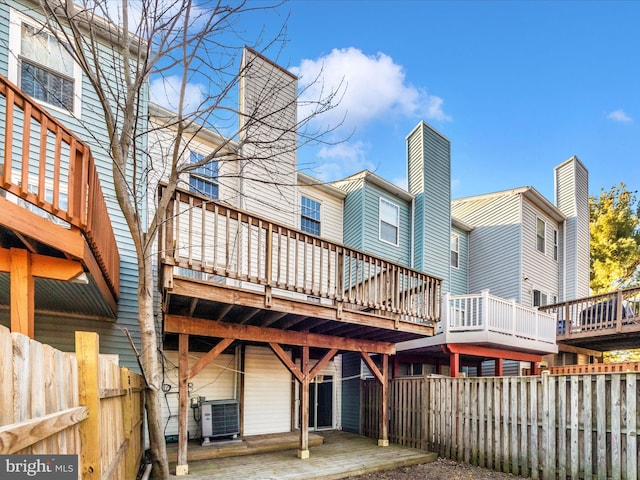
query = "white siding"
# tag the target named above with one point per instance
(331, 212)
(268, 157)
(267, 393)
(334, 369)
(218, 381)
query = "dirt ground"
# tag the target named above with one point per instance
(441, 469)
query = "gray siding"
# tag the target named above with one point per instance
(90, 127)
(459, 279)
(429, 170)
(353, 229)
(541, 270)
(351, 374)
(494, 243)
(572, 198)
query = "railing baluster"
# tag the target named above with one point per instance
(26, 148)
(8, 139)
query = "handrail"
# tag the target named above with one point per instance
(604, 313)
(485, 312)
(220, 241)
(47, 165)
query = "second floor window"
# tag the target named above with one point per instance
(46, 70)
(540, 235)
(455, 250)
(540, 299)
(309, 216)
(555, 245)
(389, 221)
(204, 179)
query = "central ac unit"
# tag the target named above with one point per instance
(220, 418)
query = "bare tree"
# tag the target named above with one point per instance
(178, 44)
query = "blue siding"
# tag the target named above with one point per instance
(429, 169)
(353, 228)
(59, 332)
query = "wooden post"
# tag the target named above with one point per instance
(87, 348)
(498, 367)
(303, 451)
(22, 288)
(182, 468)
(454, 365)
(383, 441)
(131, 468)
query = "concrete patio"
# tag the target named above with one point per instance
(341, 455)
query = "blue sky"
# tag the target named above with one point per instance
(517, 87)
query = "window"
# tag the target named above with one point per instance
(455, 250)
(539, 299)
(389, 221)
(540, 235)
(43, 68)
(204, 179)
(310, 216)
(555, 244)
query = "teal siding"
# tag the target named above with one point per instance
(372, 244)
(353, 229)
(59, 332)
(429, 169)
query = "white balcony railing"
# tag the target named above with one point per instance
(488, 313)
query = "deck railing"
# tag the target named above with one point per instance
(485, 312)
(209, 240)
(609, 312)
(45, 164)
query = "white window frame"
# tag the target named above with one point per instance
(200, 174)
(456, 250)
(16, 19)
(543, 298)
(555, 244)
(319, 219)
(543, 237)
(381, 220)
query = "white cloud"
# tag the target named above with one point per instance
(341, 160)
(619, 116)
(165, 92)
(372, 87)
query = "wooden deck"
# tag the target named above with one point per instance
(339, 456)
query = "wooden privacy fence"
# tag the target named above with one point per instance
(549, 427)
(53, 402)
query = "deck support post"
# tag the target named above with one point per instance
(303, 451)
(383, 441)
(498, 367)
(182, 468)
(454, 364)
(22, 289)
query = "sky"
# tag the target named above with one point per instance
(518, 87)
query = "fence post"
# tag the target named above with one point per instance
(87, 348)
(127, 422)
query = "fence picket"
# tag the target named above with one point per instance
(550, 427)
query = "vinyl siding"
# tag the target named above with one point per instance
(458, 284)
(353, 227)
(267, 393)
(429, 168)
(371, 224)
(540, 269)
(572, 198)
(217, 381)
(330, 212)
(351, 374)
(58, 332)
(494, 243)
(268, 166)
